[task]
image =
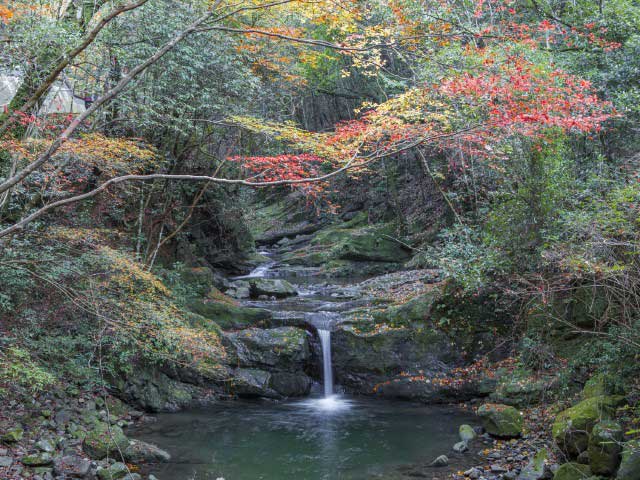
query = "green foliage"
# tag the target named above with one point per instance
(18, 370)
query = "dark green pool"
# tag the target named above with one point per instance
(354, 439)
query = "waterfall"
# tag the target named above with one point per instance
(325, 342)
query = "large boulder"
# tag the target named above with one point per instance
(604, 447)
(271, 287)
(501, 421)
(142, 452)
(284, 348)
(104, 440)
(377, 361)
(572, 427)
(253, 382)
(630, 463)
(154, 391)
(572, 471)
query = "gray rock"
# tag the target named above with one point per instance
(6, 461)
(441, 461)
(473, 473)
(71, 466)
(495, 468)
(104, 440)
(460, 447)
(143, 452)
(271, 287)
(45, 445)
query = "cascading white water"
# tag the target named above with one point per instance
(325, 342)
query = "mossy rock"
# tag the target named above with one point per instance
(104, 440)
(572, 471)
(12, 435)
(37, 460)
(114, 472)
(572, 427)
(466, 433)
(630, 462)
(416, 310)
(604, 447)
(227, 316)
(271, 287)
(501, 420)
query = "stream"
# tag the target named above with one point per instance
(327, 436)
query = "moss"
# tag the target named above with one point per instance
(572, 471)
(416, 310)
(501, 420)
(226, 316)
(571, 427)
(104, 440)
(630, 463)
(604, 447)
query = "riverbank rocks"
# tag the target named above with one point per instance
(572, 427)
(572, 471)
(142, 452)
(604, 447)
(630, 463)
(104, 440)
(271, 287)
(501, 421)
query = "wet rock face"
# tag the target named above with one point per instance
(286, 348)
(373, 362)
(271, 361)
